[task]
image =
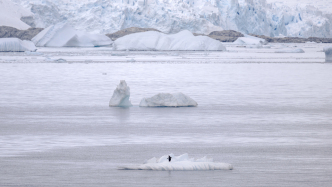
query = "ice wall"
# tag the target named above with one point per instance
(172, 16)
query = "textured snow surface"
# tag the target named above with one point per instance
(16, 45)
(121, 94)
(168, 100)
(289, 50)
(328, 54)
(152, 40)
(172, 16)
(11, 13)
(182, 162)
(63, 35)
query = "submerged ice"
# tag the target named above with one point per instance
(180, 163)
(168, 100)
(153, 40)
(121, 94)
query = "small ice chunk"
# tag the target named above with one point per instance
(16, 45)
(121, 94)
(289, 50)
(180, 163)
(328, 53)
(168, 100)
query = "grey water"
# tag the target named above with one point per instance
(272, 122)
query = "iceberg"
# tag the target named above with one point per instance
(290, 51)
(179, 163)
(121, 94)
(16, 45)
(153, 40)
(328, 53)
(63, 35)
(168, 100)
(250, 40)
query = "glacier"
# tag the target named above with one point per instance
(179, 163)
(328, 53)
(16, 45)
(168, 100)
(172, 16)
(153, 40)
(64, 35)
(11, 14)
(121, 95)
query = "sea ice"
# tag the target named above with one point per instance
(16, 45)
(63, 35)
(182, 163)
(328, 53)
(168, 100)
(289, 50)
(121, 94)
(152, 40)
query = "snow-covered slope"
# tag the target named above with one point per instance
(11, 13)
(153, 40)
(197, 16)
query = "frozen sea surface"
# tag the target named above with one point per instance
(271, 121)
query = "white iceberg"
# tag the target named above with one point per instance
(152, 40)
(289, 50)
(250, 40)
(328, 53)
(16, 45)
(63, 35)
(179, 163)
(121, 94)
(168, 100)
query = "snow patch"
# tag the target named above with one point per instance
(16, 45)
(120, 97)
(152, 40)
(64, 35)
(179, 163)
(168, 100)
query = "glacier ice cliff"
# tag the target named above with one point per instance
(120, 97)
(179, 163)
(153, 40)
(168, 100)
(63, 35)
(171, 16)
(328, 54)
(16, 45)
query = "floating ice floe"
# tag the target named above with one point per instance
(168, 100)
(121, 94)
(328, 53)
(152, 40)
(250, 40)
(289, 50)
(16, 45)
(179, 163)
(63, 35)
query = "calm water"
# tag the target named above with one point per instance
(272, 122)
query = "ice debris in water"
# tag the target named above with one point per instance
(328, 53)
(16, 45)
(121, 94)
(287, 50)
(152, 40)
(180, 163)
(168, 100)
